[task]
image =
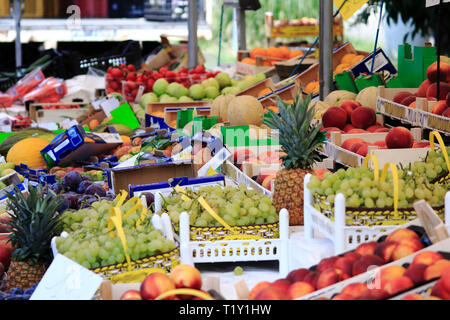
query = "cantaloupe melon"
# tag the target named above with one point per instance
(28, 151)
(367, 97)
(245, 110)
(219, 107)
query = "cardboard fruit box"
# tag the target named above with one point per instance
(333, 150)
(61, 112)
(419, 116)
(75, 144)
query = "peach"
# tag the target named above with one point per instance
(328, 277)
(399, 138)
(326, 263)
(156, 284)
(422, 92)
(446, 281)
(272, 293)
(356, 146)
(297, 275)
(282, 284)
(345, 265)
(432, 72)
(264, 174)
(408, 101)
(300, 289)
(398, 285)
(242, 155)
(399, 97)
(405, 249)
(363, 117)
(348, 127)
(374, 294)
(437, 269)
(389, 273)
(414, 296)
(422, 144)
(186, 276)
(381, 144)
(269, 157)
(401, 234)
(334, 117)
(440, 290)
(439, 107)
(367, 248)
(446, 113)
(352, 256)
(416, 272)
(330, 129)
(131, 295)
(363, 150)
(349, 106)
(381, 130)
(311, 278)
(267, 182)
(356, 131)
(365, 262)
(427, 257)
(343, 296)
(257, 289)
(443, 91)
(385, 250)
(373, 128)
(355, 290)
(349, 142)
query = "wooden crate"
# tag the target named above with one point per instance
(257, 88)
(288, 92)
(420, 116)
(56, 115)
(161, 106)
(333, 150)
(247, 69)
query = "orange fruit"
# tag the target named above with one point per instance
(273, 108)
(348, 58)
(257, 52)
(264, 91)
(357, 59)
(249, 61)
(274, 53)
(341, 68)
(285, 52)
(296, 53)
(312, 87)
(125, 139)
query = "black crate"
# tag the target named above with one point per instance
(126, 8)
(166, 10)
(31, 51)
(100, 55)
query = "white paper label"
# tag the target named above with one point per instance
(431, 3)
(109, 105)
(67, 280)
(215, 162)
(380, 62)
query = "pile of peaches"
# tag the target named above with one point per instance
(156, 284)
(428, 90)
(397, 245)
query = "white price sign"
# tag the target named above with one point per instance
(431, 3)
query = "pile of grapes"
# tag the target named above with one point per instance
(79, 191)
(361, 190)
(90, 242)
(237, 206)
(432, 167)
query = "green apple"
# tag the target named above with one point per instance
(147, 98)
(160, 86)
(212, 93)
(197, 92)
(185, 99)
(223, 79)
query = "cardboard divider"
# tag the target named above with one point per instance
(257, 88)
(121, 178)
(41, 115)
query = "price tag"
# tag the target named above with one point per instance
(215, 162)
(109, 105)
(432, 3)
(67, 280)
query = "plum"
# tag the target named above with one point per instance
(82, 187)
(86, 201)
(96, 189)
(57, 188)
(86, 178)
(72, 179)
(72, 197)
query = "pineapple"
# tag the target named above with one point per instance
(299, 139)
(34, 222)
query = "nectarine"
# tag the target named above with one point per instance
(427, 257)
(257, 289)
(131, 295)
(363, 117)
(401, 234)
(282, 284)
(272, 293)
(349, 106)
(186, 276)
(335, 117)
(422, 92)
(326, 263)
(297, 275)
(439, 107)
(300, 289)
(385, 250)
(432, 72)
(399, 97)
(408, 100)
(355, 290)
(156, 284)
(397, 285)
(399, 138)
(345, 265)
(367, 248)
(444, 89)
(437, 269)
(347, 144)
(416, 272)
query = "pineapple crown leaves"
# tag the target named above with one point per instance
(34, 222)
(298, 136)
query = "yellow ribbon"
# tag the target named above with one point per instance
(133, 209)
(117, 220)
(395, 179)
(375, 164)
(437, 135)
(206, 206)
(191, 292)
(134, 276)
(142, 217)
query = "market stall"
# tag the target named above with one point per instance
(165, 179)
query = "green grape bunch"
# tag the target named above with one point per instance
(92, 243)
(237, 206)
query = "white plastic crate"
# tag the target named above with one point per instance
(345, 237)
(193, 252)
